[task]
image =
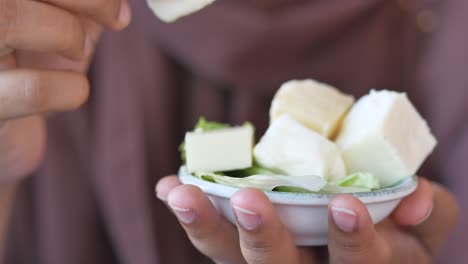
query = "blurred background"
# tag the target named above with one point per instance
(92, 200)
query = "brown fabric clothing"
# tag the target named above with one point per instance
(92, 200)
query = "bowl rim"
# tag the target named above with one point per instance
(398, 191)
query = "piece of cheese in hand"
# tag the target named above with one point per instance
(316, 105)
(295, 150)
(384, 134)
(219, 150)
(171, 10)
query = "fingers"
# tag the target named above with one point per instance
(210, 233)
(434, 230)
(35, 26)
(352, 237)
(115, 14)
(416, 207)
(22, 145)
(27, 92)
(165, 185)
(263, 238)
(48, 61)
(56, 27)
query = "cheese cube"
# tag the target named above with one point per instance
(295, 150)
(219, 150)
(171, 10)
(318, 106)
(384, 134)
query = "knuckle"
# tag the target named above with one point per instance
(205, 234)
(356, 251)
(351, 246)
(256, 253)
(200, 235)
(264, 243)
(256, 246)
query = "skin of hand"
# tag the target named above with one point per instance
(45, 50)
(414, 233)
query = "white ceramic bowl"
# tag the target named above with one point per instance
(305, 214)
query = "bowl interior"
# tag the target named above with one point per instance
(399, 190)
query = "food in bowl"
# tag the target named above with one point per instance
(305, 214)
(319, 143)
(171, 10)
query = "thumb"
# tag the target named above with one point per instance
(351, 235)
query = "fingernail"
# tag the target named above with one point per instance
(345, 219)
(185, 215)
(125, 13)
(161, 197)
(246, 218)
(425, 217)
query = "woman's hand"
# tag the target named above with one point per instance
(45, 48)
(413, 234)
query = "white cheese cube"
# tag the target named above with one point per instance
(316, 105)
(171, 10)
(295, 150)
(219, 150)
(384, 134)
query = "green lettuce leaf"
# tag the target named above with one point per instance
(359, 180)
(327, 189)
(207, 176)
(265, 182)
(183, 155)
(204, 125)
(354, 183)
(280, 183)
(254, 170)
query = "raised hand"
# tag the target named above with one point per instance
(45, 48)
